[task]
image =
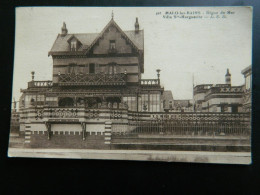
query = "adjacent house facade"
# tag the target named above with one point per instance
(247, 100)
(219, 97)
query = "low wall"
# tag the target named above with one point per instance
(179, 143)
(68, 141)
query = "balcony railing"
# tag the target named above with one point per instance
(39, 84)
(237, 89)
(92, 79)
(112, 51)
(150, 82)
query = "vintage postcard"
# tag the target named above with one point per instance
(133, 83)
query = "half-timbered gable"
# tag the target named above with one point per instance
(112, 51)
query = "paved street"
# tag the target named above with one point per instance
(170, 156)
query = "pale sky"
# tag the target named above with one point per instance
(179, 47)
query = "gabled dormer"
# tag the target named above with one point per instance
(74, 43)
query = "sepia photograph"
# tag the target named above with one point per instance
(133, 83)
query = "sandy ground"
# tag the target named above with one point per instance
(169, 156)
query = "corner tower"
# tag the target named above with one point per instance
(228, 77)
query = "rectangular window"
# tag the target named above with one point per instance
(40, 98)
(131, 103)
(73, 68)
(30, 100)
(144, 103)
(112, 44)
(51, 99)
(73, 45)
(154, 102)
(234, 109)
(133, 107)
(112, 68)
(248, 82)
(224, 108)
(92, 68)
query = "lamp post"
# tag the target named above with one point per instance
(32, 73)
(158, 75)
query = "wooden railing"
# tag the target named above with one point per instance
(150, 82)
(57, 113)
(224, 89)
(188, 124)
(39, 84)
(92, 79)
(130, 123)
(112, 51)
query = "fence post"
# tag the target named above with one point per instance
(108, 127)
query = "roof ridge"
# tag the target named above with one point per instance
(98, 32)
(81, 33)
(132, 30)
(89, 38)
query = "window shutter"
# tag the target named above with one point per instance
(86, 69)
(118, 69)
(107, 69)
(97, 68)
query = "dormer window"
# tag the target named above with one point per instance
(73, 45)
(112, 45)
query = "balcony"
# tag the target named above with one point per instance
(112, 51)
(150, 82)
(41, 84)
(92, 79)
(235, 89)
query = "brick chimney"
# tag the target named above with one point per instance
(136, 26)
(64, 30)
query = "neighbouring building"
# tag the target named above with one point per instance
(218, 97)
(247, 100)
(182, 106)
(14, 123)
(167, 99)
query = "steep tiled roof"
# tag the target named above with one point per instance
(61, 43)
(136, 38)
(167, 95)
